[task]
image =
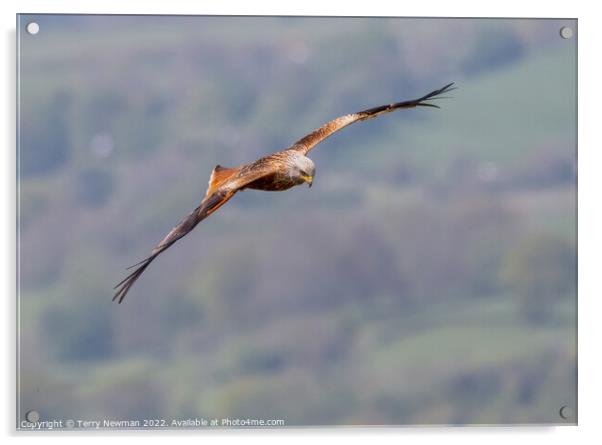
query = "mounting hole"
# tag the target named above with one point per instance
(33, 28)
(32, 416)
(566, 32)
(566, 412)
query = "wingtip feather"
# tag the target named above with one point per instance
(123, 287)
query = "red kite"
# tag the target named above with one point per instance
(276, 172)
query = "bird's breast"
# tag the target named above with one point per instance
(275, 182)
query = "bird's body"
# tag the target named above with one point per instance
(278, 171)
(289, 168)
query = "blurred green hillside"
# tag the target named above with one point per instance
(428, 277)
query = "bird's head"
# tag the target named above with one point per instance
(304, 169)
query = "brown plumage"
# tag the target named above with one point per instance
(276, 172)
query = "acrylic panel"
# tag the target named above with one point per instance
(427, 277)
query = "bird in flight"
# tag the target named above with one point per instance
(275, 172)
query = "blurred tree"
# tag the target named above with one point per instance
(492, 49)
(541, 269)
(130, 389)
(45, 140)
(80, 330)
(94, 187)
(103, 107)
(550, 165)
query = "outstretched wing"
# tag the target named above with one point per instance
(308, 142)
(214, 199)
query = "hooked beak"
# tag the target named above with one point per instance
(308, 179)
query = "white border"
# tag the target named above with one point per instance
(589, 225)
